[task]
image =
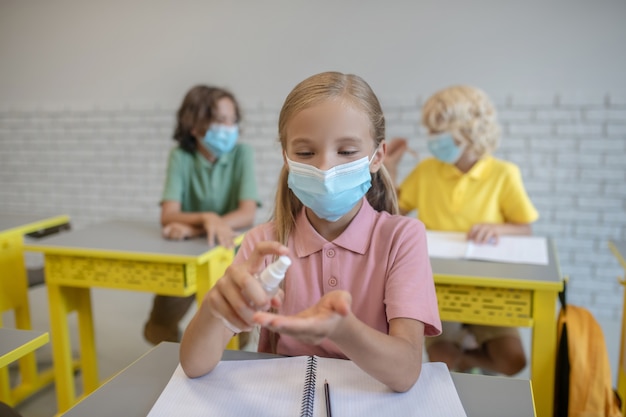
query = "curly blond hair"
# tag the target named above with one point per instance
(467, 111)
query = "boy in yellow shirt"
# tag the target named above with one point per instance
(465, 189)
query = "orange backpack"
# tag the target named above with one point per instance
(583, 373)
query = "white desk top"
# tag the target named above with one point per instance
(548, 275)
(134, 391)
(121, 236)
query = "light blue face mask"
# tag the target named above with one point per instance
(444, 148)
(332, 193)
(221, 139)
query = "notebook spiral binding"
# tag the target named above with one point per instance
(308, 394)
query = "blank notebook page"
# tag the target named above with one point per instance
(274, 387)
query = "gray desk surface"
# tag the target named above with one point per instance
(134, 391)
(12, 339)
(122, 236)
(543, 274)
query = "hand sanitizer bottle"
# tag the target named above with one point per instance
(270, 280)
(272, 276)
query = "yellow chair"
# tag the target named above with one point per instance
(14, 298)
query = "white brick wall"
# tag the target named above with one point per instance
(96, 162)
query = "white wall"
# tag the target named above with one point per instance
(88, 91)
(90, 51)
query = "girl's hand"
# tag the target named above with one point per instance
(178, 231)
(238, 295)
(217, 231)
(484, 233)
(314, 324)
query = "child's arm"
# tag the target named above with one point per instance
(203, 342)
(218, 228)
(242, 216)
(234, 298)
(181, 231)
(490, 232)
(394, 359)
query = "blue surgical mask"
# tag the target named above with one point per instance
(332, 193)
(444, 148)
(221, 139)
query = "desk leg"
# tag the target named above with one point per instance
(543, 351)
(63, 300)
(87, 340)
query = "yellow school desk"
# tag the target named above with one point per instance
(619, 250)
(125, 255)
(506, 294)
(14, 297)
(16, 343)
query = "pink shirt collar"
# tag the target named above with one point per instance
(355, 238)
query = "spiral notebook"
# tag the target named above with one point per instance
(294, 386)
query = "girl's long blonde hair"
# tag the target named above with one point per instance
(313, 90)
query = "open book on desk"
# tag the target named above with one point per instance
(294, 386)
(512, 249)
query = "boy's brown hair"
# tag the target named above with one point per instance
(197, 107)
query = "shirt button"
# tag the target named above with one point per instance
(332, 282)
(330, 253)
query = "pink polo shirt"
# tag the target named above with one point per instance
(381, 259)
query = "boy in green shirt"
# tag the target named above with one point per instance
(210, 188)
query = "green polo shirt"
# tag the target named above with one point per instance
(200, 185)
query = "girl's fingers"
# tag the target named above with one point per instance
(227, 303)
(261, 250)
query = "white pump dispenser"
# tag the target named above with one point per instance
(272, 276)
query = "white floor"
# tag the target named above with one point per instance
(119, 318)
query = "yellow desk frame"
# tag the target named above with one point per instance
(501, 299)
(14, 297)
(71, 271)
(19, 343)
(619, 250)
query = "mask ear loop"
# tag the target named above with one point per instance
(369, 161)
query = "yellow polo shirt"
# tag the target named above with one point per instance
(447, 199)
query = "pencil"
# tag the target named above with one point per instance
(329, 412)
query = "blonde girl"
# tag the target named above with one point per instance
(360, 286)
